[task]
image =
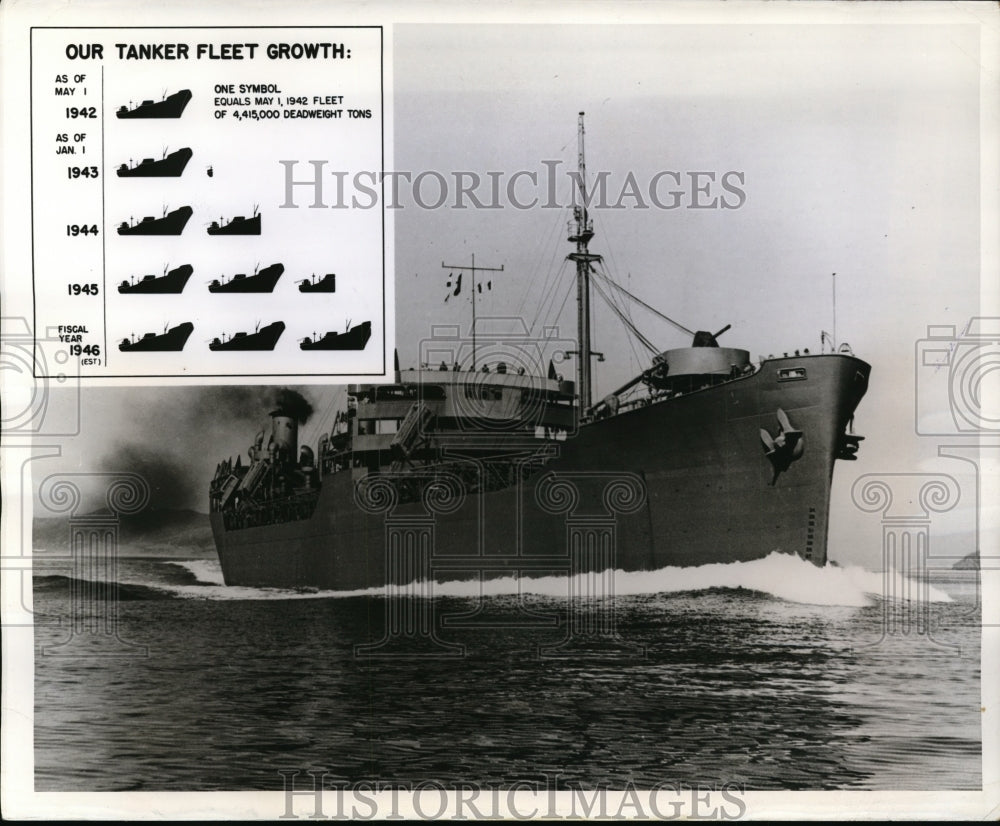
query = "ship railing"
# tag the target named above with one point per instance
(604, 410)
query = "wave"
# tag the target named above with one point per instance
(781, 576)
(97, 591)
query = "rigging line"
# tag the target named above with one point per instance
(610, 256)
(552, 280)
(636, 361)
(316, 426)
(618, 310)
(653, 310)
(618, 299)
(548, 283)
(552, 284)
(545, 244)
(629, 326)
(552, 231)
(569, 292)
(626, 308)
(545, 310)
(625, 321)
(635, 331)
(623, 307)
(324, 421)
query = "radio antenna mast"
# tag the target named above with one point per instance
(473, 269)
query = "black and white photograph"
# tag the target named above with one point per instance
(497, 412)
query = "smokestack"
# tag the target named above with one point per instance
(285, 434)
(292, 409)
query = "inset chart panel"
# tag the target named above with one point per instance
(185, 212)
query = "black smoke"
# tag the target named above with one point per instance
(227, 403)
(176, 436)
(294, 404)
(168, 479)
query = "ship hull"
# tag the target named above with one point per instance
(710, 494)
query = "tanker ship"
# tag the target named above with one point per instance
(170, 283)
(169, 107)
(354, 338)
(240, 225)
(169, 166)
(261, 281)
(171, 340)
(326, 284)
(172, 223)
(489, 466)
(260, 339)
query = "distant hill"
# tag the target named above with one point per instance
(968, 563)
(178, 533)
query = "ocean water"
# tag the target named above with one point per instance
(768, 675)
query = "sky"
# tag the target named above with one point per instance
(857, 150)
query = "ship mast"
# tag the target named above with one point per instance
(581, 231)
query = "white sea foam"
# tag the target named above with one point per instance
(207, 571)
(783, 576)
(786, 577)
